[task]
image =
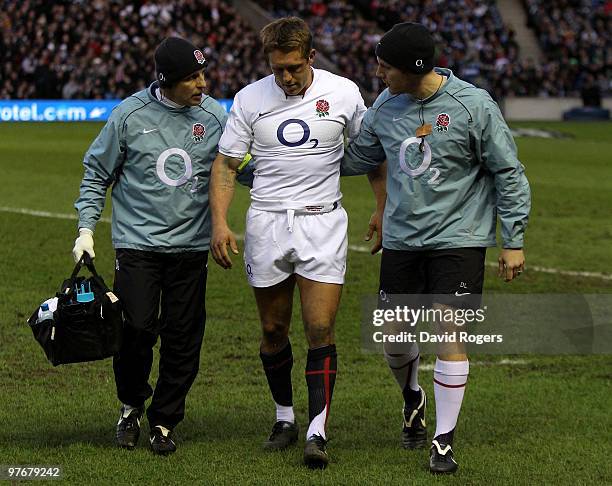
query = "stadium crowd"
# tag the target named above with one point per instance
(476, 44)
(576, 37)
(103, 49)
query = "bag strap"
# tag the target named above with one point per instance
(88, 262)
(84, 260)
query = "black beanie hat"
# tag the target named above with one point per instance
(408, 46)
(175, 59)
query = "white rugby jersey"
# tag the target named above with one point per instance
(296, 142)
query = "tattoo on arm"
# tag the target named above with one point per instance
(222, 186)
(227, 171)
(231, 162)
(228, 175)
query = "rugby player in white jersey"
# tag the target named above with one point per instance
(293, 124)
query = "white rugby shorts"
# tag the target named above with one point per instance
(278, 244)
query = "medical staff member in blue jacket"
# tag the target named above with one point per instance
(452, 171)
(156, 152)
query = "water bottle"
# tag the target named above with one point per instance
(45, 313)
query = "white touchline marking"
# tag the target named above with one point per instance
(569, 273)
(535, 268)
(356, 248)
(44, 214)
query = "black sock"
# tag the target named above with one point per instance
(321, 368)
(446, 438)
(278, 372)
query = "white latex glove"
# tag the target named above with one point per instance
(84, 243)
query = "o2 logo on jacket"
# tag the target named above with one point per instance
(161, 167)
(280, 133)
(417, 171)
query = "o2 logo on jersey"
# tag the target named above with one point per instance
(161, 168)
(280, 133)
(424, 164)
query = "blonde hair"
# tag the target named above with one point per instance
(287, 34)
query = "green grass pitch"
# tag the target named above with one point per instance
(529, 420)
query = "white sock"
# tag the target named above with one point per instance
(317, 426)
(127, 409)
(450, 378)
(165, 432)
(284, 413)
